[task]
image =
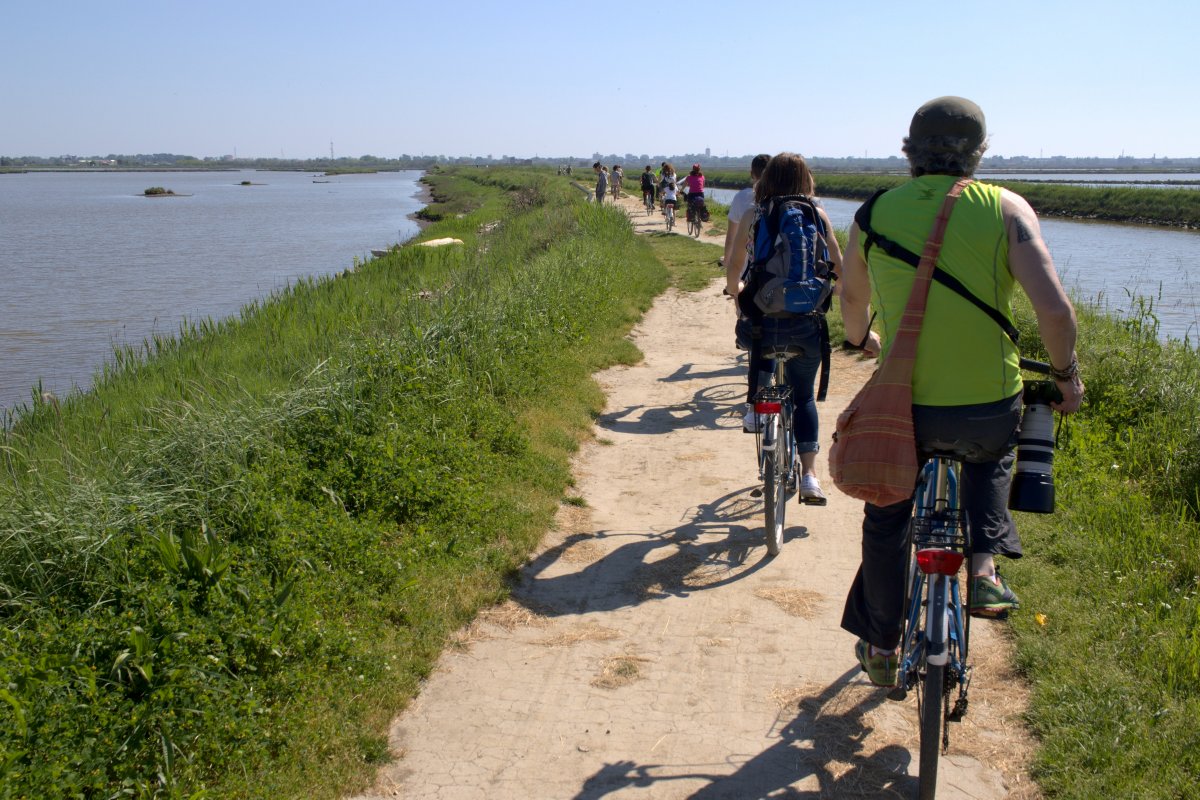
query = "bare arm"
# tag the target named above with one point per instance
(835, 249)
(856, 296)
(1033, 269)
(735, 262)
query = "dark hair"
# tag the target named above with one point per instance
(758, 165)
(943, 155)
(596, 165)
(785, 174)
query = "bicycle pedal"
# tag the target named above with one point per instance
(959, 711)
(756, 492)
(899, 693)
(985, 613)
(813, 501)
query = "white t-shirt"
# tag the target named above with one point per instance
(741, 203)
(669, 185)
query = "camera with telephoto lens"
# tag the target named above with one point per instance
(1033, 484)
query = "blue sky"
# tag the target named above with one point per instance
(518, 78)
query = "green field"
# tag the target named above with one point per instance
(213, 560)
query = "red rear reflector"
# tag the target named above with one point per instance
(940, 562)
(769, 407)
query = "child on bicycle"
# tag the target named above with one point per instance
(668, 185)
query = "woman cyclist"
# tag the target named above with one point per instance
(694, 182)
(788, 174)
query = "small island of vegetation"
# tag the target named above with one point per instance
(157, 191)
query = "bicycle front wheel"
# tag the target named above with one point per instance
(932, 707)
(775, 480)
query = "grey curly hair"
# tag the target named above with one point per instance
(943, 155)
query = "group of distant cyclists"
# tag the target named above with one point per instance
(660, 188)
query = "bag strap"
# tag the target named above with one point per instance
(904, 345)
(862, 218)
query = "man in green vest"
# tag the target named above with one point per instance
(966, 381)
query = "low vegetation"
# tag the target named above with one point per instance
(157, 191)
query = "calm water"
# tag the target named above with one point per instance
(1106, 264)
(1151, 180)
(87, 263)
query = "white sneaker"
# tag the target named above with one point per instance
(810, 491)
(751, 422)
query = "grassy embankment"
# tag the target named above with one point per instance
(227, 567)
(230, 565)
(1169, 207)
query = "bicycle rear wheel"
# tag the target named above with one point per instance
(932, 719)
(670, 218)
(775, 485)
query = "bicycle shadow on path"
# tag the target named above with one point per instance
(824, 742)
(716, 407)
(712, 549)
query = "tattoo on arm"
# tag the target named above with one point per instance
(1024, 232)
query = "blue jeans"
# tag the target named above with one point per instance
(802, 335)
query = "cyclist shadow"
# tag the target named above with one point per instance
(823, 741)
(713, 548)
(713, 407)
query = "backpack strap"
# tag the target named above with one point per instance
(862, 218)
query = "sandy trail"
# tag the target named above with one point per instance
(654, 650)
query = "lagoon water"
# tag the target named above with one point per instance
(87, 262)
(1106, 265)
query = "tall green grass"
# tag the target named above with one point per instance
(1114, 658)
(227, 567)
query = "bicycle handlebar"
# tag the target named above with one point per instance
(1035, 366)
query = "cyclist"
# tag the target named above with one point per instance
(742, 204)
(784, 175)
(648, 184)
(668, 185)
(694, 193)
(966, 383)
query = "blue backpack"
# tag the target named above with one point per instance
(791, 272)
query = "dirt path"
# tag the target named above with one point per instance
(653, 649)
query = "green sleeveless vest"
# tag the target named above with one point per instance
(963, 357)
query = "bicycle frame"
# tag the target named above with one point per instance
(934, 647)
(776, 447)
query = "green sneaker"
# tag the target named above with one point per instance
(991, 597)
(881, 669)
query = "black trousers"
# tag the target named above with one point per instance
(986, 435)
